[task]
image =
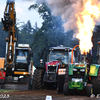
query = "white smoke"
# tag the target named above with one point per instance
(67, 9)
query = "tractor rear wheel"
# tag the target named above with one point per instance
(96, 83)
(37, 79)
(89, 90)
(67, 77)
(63, 79)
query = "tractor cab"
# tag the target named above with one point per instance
(59, 54)
(58, 57)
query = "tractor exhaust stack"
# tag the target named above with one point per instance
(84, 57)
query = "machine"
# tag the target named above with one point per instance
(79, 76)
(18, 60)
(47, 74)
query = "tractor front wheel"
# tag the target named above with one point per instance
(66, 89)
(38, 79)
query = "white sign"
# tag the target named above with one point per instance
(61, 71)
(48, 97)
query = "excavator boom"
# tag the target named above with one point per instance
(9, 23)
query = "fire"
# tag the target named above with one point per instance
(86, 20)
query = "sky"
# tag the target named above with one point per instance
(22, 12)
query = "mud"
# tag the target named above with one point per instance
(41, 95)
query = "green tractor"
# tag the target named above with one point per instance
(76, 77)
(80, 76)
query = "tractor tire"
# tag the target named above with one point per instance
(61, 82)
(67, 77)
(66, 89)
(96, 83)
(63, 79)
(37, 79)
(89, 90)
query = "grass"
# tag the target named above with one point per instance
(4, 90)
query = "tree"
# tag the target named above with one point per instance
(25, 34)
(50, 34)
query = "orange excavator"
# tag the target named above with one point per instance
(18, 63)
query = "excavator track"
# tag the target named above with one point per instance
(22, 84)
(16, 86)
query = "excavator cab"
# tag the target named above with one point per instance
(23, 59)
(22, 70)
(23, 55)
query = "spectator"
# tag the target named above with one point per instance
(2, 77)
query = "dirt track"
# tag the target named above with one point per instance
(41, 95)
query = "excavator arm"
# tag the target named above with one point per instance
(9, 22)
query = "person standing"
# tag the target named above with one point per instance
(2, 77)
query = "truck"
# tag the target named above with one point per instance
(18, 63)
(46, 75)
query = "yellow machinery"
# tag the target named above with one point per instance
(18, 63)
(9, 25)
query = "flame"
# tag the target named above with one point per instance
(86, 20)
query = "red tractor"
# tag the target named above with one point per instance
(47, 74)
